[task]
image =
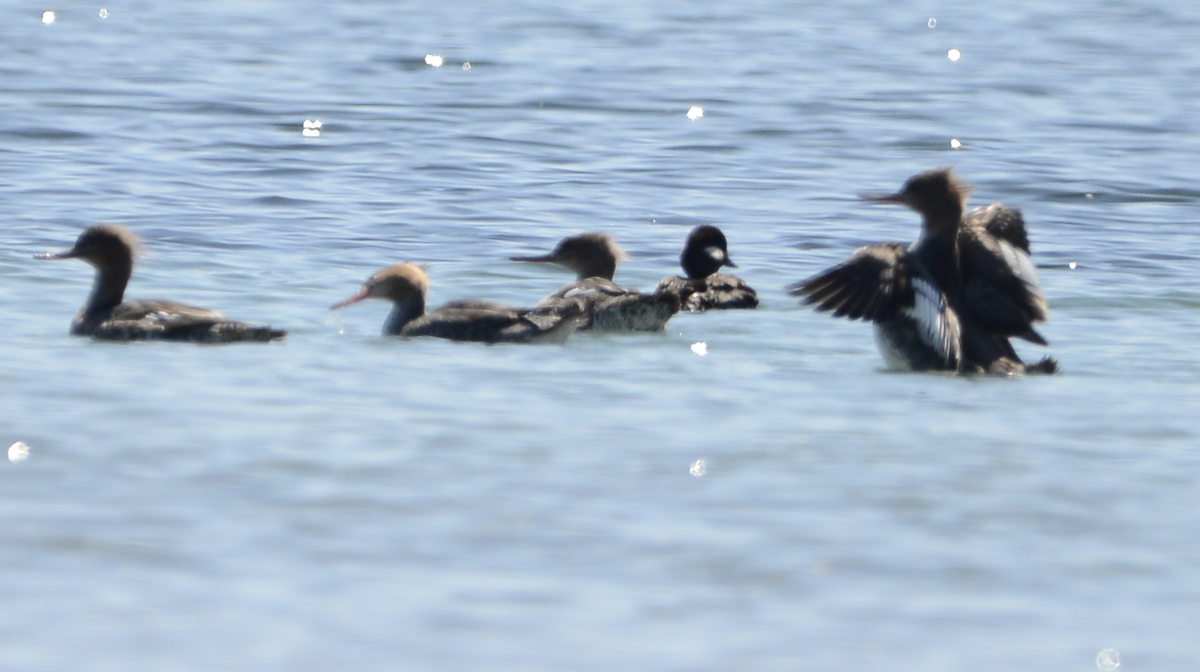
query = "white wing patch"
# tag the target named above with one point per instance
(937, 324)
(1021, 265)
(581, 291)
(160, 317)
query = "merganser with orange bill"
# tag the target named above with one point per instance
(704, 253)
(407, 285)
(605, 305)
(111, 249)
(952, 299)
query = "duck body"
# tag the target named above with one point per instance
(704, 287)
(606, 307)
(107, 316)
(474, 320)
(950, 301)
(152, 320)
(602, 305)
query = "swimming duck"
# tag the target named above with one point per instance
(111, 249)
(605, 305)
(951, 300)
(406, 286)
(704, 253)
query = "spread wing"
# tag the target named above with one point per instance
(1001, 292)
(873, 284)
(1001, 222)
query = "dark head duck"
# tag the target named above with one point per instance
(704, 253)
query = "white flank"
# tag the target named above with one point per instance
(931, 315)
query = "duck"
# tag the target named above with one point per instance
(106, 316)
(704, 253)
(406, 285)
(604, 305)
(951, 300)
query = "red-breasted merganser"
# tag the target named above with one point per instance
(112, 249)
(952, 299)
(406, 286)
(605, 305)
(704, 253)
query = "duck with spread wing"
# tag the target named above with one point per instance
(951, 300)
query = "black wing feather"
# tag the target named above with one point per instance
(1001, 292)
(873, 284)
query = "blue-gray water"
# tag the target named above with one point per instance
(342, 501)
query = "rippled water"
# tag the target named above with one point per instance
(343, 501)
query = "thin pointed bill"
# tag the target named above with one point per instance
(543, 259)
(883, 198)
(361, 295)
(67, 254)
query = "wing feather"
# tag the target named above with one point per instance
(1001, 291)
(873, 284)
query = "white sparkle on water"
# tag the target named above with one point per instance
(700, 348)
(695, 112)
(1108, 660)
(312, 128)
(698, 469)
(434, 60)
(954, 54)
(48, 17)
(954, 143)
(932, 22)
(1089, 195)
(466, 65)
(1072, 265)
(103, 13)
(18, 451)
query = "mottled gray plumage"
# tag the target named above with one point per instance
(603, 305)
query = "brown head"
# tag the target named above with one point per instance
(937, 194)
(105, 246)
(588, 255)
(402, 284)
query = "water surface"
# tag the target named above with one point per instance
(343, 501)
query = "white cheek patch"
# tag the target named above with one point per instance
(937, 325)
(716, 253)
